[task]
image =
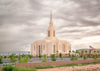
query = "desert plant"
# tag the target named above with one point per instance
(53, 58)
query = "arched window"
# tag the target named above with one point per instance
(63, 48)
(39, 49)
(34, 47)
(54, 33)
(54, 49)
(48, 33)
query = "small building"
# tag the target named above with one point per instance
(51, 44)
(90, 51)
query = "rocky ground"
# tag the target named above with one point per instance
(92, 67)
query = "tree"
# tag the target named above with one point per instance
(85, 57)
(1, 59)
(30, 56)
(60, 55)
(94, 51)
(86, 51)
(12, 58)
(53, 58)
(5, 56)
(23, 59)
(77, 51)
(69, 53)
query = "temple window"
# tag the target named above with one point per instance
(54, 33)
(48, 33)
(39, 49)
(63, 48)
(54, 49)
(34, 48)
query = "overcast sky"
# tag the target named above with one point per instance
(24, 21)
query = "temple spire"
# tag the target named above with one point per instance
(51, 22)
(51, 14)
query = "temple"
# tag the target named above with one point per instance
(51, 44)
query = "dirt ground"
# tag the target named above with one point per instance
(0, 68)
(91, 67)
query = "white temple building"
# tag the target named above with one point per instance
(50, 44)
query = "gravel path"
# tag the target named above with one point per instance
(91, 67)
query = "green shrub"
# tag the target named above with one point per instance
(5, 56)
(53, 58)
(24, 69)
(60, 55)
(8, 68)
(95, 57)
(1, 60)
(84, 57)
(44, 58)
(12, 68)
(44, 67)
(23, 59)
(73, 58)
(12, 58)
(40, 56)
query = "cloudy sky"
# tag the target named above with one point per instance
(25, 21)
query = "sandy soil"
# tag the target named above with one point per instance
(95, 67)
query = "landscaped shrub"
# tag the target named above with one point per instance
(40, 56)
(60, 55)
(95, 57)
(12, 68)
(44, 58)
(73, 58)
(8, 68)
(12, 58)
(23, 59)
(53, 58)
(84, 57)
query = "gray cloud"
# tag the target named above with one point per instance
(25, 21)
